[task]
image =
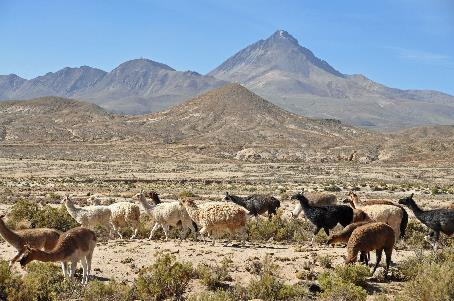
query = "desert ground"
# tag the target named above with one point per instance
(45, 180)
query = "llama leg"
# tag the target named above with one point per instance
(117, 230)
(155, 228)
(83, 262)
(89, 258)
(64, 268)
(135, 227)
(378, 254)
(388, 253)
(166, 231)
(72, 271)
(184, 231)
(202, 232)
(193, 231)
(317, 229)
(326, 231)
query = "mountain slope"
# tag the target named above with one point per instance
(292, 77)
(236, 118)
(134, 87)
(140, 86)
(230, 119)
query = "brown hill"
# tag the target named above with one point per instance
(234, 115)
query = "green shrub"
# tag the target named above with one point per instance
(219, 295)
(344, 283)
(47, 217)
(55, 218)
(186, 194)
(279, 229)
(269, 286)
(22, 210)
(325, 261)
(10, 282)
(335, 288)
(212, 276)
(332, 188)
(111, 291)
(430, 277)
(164, 279)
(414, 235)
(354, 273)
(43, 281)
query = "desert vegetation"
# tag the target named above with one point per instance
(275, 262)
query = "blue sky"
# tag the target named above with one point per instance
(401, 43)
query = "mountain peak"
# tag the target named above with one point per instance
(282, 36)
(143, 64)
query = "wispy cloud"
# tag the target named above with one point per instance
(422, 56)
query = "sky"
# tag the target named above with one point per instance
(406, 44)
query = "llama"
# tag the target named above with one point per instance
(89, 216)
(316, 199)
(388, 214)
(376, 236)
(438, 220)
(217, 217)
(73, 246)
(256, 204)
(326, 217)
(403, 224)
(125, 214)
(166, 215)
(344, 235)
(40, 238)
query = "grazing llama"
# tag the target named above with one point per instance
(73, 246)
(40, 238)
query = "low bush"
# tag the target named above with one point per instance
(269, 286)
(47, 217)
(110, 291)
(430, 277)
(166, 278)
(186, 194)
(279, 229)
(213, 276)
(344, 283)
(219, 295)
(10, 282)
(332, 188)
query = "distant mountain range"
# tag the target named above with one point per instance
(227, 122)
(278, 69)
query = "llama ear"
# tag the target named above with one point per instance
(226, 193)
(2, 216)
(411, 196)
(142, 191)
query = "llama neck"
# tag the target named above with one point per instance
(237, 200)
(355, 201)
(52, 256)
(193, 212)
(10, 236)
(416, 210)
(72, 210)
(156, 199)
(145, 204)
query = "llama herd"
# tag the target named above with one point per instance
(374, 225)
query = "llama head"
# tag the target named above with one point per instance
(347, 201)
(227, 197)
(27, 255)
(187, 202)
(407, 200)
